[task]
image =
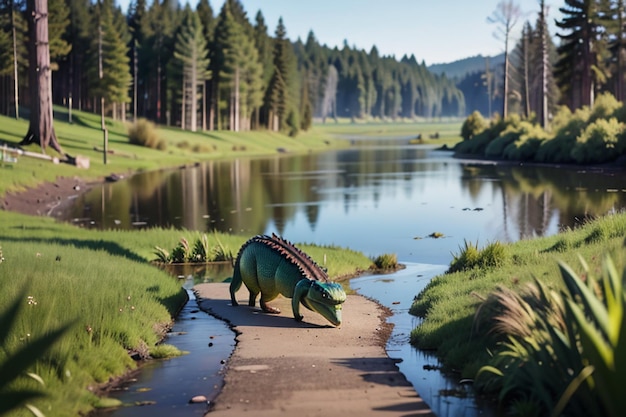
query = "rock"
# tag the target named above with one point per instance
(81, 162)
(198, 399)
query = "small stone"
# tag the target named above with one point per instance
(198, 399)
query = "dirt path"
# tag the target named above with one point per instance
(284, 368)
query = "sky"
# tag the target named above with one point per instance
(435, 31)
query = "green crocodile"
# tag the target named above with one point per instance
(271, 265)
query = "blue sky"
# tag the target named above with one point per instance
(436, 31)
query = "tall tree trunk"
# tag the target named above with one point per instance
(41, 128)
(15, 72)
(544, 68)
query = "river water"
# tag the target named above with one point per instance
(380, 196)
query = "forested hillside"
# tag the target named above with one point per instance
(203, 69)
(460, 69)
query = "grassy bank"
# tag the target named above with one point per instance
(101, 283)
(460, 315)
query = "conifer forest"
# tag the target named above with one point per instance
(203, 69)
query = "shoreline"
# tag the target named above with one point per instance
(47, 198)
(283, 367)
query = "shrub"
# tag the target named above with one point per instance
(568, 127)
(524, 149)
(164, 351)
(493, 255)
(605, 106)
(466, 259)
(386, 261)
(144, 133)
(182, 252)
(201, 250)
(496, 147)
(473, 125)
(599, 142)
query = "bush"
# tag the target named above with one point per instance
(568, 127)
(386, 261)
(492, 256)
(527, 145)
(467, 258)
(473, 125)
(144, 133)
(599, 142)
(510, 134)
(604, 107)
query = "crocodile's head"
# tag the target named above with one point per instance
(326, 298)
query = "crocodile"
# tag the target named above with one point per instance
(271, 265)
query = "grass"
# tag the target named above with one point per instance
(447, 131)
(449, 303)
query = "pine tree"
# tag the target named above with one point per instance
(278, 94)
(110, 69)
(58, 22)
(13, 55)
(138, 26)
(577, 51)
(614, 21)
(153, 62)
(192, 61)
(240, 75)
(72, 74)
(207, 18)
(263, 44)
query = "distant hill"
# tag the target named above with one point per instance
(459, 69)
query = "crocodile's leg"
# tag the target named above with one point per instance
(252, 299)
(268, 308)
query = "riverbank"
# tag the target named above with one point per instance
(47, 198)
(282, 367)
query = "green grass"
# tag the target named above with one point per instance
(449, 131)
(450, 301)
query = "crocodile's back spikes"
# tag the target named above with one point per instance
(305, 264)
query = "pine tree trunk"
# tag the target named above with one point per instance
(15, 72)
(41, 128)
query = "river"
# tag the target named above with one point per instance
(380, 196)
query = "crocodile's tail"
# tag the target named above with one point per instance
(235, 282)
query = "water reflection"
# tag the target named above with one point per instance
(371, 198)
